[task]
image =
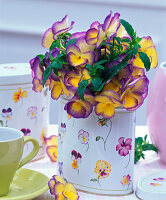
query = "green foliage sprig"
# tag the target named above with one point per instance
(141, 145)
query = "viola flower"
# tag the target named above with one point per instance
(160, 179)
(60, 164)
(63, 129)
(78, 108)
(124, 147)
(51, 147)
(147, 46)
(43, 135)
(83, 136)
(7, 114)
(80, 53)
(19, 95)
(76, 158)
(126, 180)
(155, 184)
(62, 190)
(57, 28)
(58, 88)
(32, 112)
(107, 101)
(135, 93)
(103, 169)
(27, 132)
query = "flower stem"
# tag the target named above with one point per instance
(128, 161)
(87, 147)
(107, 136)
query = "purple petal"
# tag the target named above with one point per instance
(128, 141)
(121, 140)
(95, 25)
(118, 147)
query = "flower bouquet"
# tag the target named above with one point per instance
(97, 73)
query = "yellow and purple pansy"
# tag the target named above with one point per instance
(80, 53)
(147, 46)
(61, 189)
(107, 101)
(103, 169)
(135, 93)
(57, 28)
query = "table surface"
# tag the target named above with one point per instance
(143, 167)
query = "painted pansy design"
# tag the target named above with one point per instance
(27, 132)
(76, 160)
(43, 135)
(63, 129)
(155, 184)
(61, 189)
(32, 113)
(60, 164)
(6, 115)
(19, 95)
(126, 180)
(124, 147)
(51, 147)
(83, 137)
(160, 179)
(103, 169)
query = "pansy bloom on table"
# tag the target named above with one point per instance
(98, 70)
(61, 189)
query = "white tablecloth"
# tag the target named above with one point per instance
(144, 167)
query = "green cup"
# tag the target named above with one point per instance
(12, 143)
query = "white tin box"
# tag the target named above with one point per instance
(20, 106)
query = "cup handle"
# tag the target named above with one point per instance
(33, 153)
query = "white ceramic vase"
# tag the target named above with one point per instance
(97, 155)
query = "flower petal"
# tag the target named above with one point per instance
(58, 191)
(121, 140)
(91, 36)
(70, 192)
(59, 179)
(83, 46)
(56, 90)
(47, 38)
(106, 110)
(37, 87)
(52, 152)
(76, 60)
(100, 36)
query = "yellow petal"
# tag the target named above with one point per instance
(56, 90)
(70, 192)
(152, 54)
(59, 179)
(47, 38)
(137, 62)
(24, 94)
(102, 99)
(130, 102)
(106, 110)
(146, 42)
(59, 189)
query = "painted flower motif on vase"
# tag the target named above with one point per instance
(76, 160)
(126, 180)
(19, 95)
(32, 113)
(60, 164)
(155, 184)
(27, 132)
(51, 147)
(83, 137)
(103, 169)
(43, 135)
(124, 147)
(7, 116)
(62, 132)
(161, 180)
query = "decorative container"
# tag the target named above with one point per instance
(20, 106)
(97, 155)
(156, 111)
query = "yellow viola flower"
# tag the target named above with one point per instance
(19, 95)
(103, 169)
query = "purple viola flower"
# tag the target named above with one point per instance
(63, 129)
(26, 132)
(83, 136)
(32, 112)
(60, 164)
(124, 146)
(6, 113)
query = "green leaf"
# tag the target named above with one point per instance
(93, 179)
(138, 140)
(88, 66)
(126, 40)
(81, 89)
(128, 28)
(100, 62)
(100, 67)
(135, 48)
(138, 40)
(117, 39)
(54, 45)
(46, 74)
(98, 138)
(72, 41)
(40, 56)
(149, 147)
(115, 69)
(145, 59)
(1, 122)
(128, 56)
(68, 34)
(96, 82)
